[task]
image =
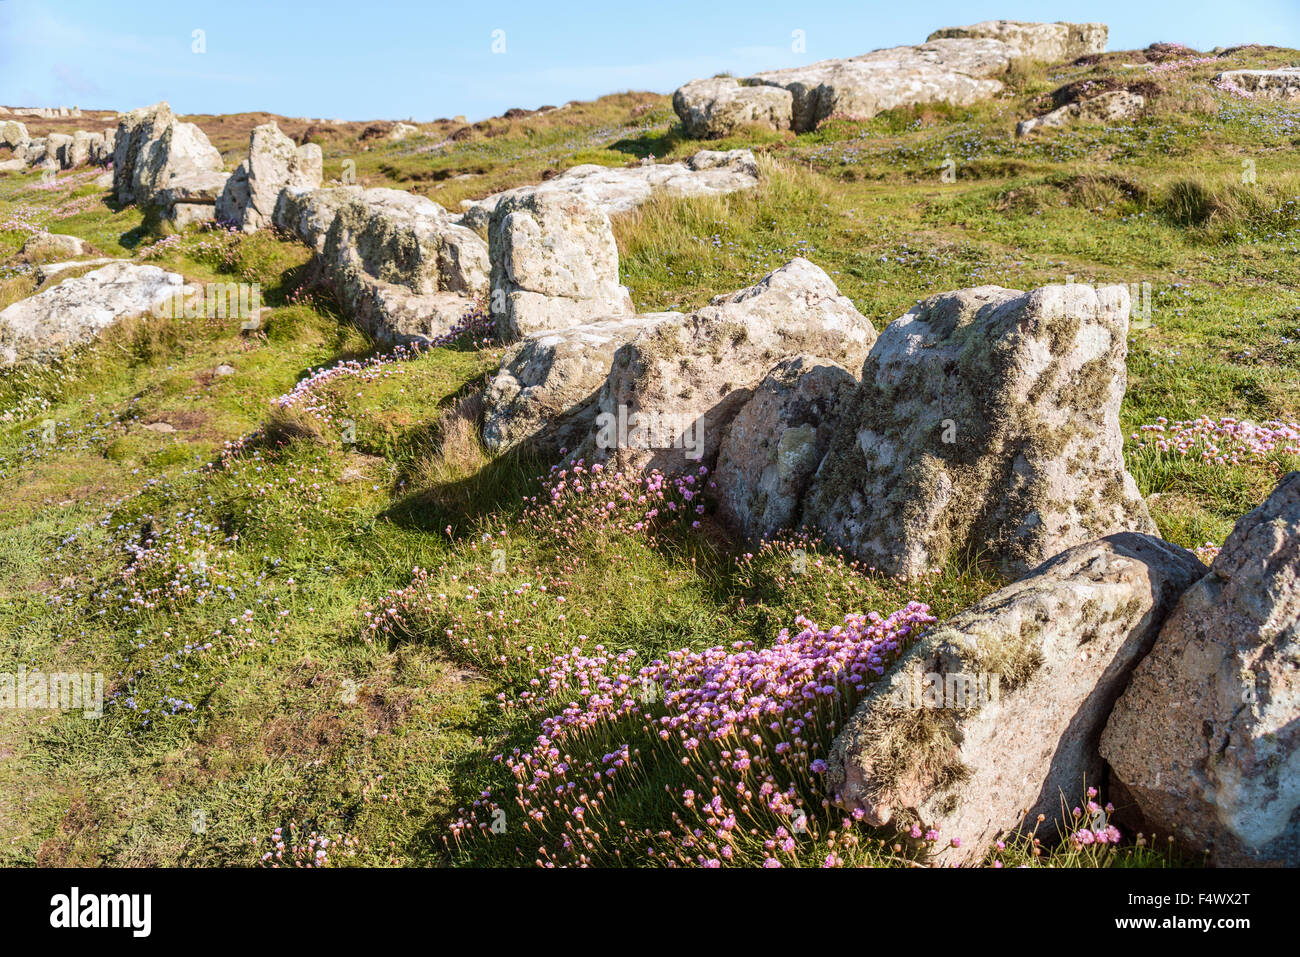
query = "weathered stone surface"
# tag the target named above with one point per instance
(403, 267)
(76, 152)
(157, 154)
(181, 153)
(1207, 736)
(45, 246)
(554, 263)
(13, 134)
(957, 65)
(47, 271)
(987, 423)
(33, 152)
(1103, 108)
(401, 131)
(309, 213)
(1049, 42)
(959, 72)
(719, 106)
(684, 379)
(78, 308)
(274, 164)
(1062, 642)
(544, 395)
(101, 147)
(776, 441)
(58, 148)
(615, 190)
(1283, 84)
(134, 130)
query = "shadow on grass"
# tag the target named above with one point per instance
(658, 143)
(498, 489)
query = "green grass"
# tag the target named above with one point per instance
(230, 564)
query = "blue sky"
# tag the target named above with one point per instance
(373, 59)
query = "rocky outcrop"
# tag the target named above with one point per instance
(776, 441)
(993, 717)
(58, 147)
(544, 396)
(252, 193)
(720, 106)
(41, 247)
(157, 159)
(958, 72)
(135, 130)
(987, 424)
(76, 309)
(101, 147)
(615, 190)
(401, 265)
(13, 134)
(1283, 84)
(554, 263)
(1207, 737)
(1049, 42)
(1103, 108)
(56, 151)
(673, 390)
(33, 154)
(957, 65)
(309, 213)
(77, 151)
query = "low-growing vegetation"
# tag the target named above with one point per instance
(335, 630)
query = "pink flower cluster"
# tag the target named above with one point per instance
(308, 393)
(477, 327)
(750, 726)
(623, 501)
(717, 693)
(314, 852)
(1227, 441)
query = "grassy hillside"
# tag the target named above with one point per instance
(320, 606)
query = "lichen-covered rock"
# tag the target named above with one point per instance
(993, 717)
(1102, 108)
(987, 423)
(41, 247)
(135, 129)
(1049, 42)
(554, 263)
(155, 152)
(57, 148)
(76, 152)
(615, 190)
(720, 106)
(1207, 737)
(309, 213)
(405, 270)
(544, 395)
(78, 308)
(274, 164)
(959, 72)
(776, 441)
(13, 134)
(1283, 84)
(101, 147)
(32, 152)
(180, 153)
(673, 390)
